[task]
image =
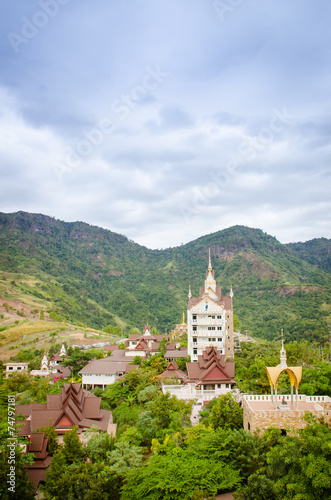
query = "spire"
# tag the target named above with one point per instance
(189, 292)
(183, 319)
(283, 362)
(231, 292)
(210, 282)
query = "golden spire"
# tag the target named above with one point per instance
(209, 265)
(183, 319)
(283, 362)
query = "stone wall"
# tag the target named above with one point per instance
(285, 418)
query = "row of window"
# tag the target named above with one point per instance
(210, 339)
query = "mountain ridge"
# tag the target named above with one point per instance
(79, 265)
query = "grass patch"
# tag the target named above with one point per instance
(29, 328)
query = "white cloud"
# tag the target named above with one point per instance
(160, 175)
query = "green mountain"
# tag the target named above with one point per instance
(316, 252)
(93, 275)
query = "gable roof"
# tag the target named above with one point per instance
(173, 371)
(211, 367)
(74, 406)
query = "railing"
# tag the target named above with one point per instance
(211, 322)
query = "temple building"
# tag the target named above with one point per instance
(283, 411)
(210, 319)
(74, 406)
(180, 330)
(53, 366)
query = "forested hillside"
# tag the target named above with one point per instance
(93, 275)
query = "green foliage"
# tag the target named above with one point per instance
(11, 460)
(17, 382)
(223, 412)
(137, 360)
(178, 476)
(77, 359)
(50, 433)
(98, 445)
(298, 467)
(124, 457)
(73, 448)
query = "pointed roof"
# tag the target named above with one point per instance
(211, 367)
(74, 406)
(173, 371)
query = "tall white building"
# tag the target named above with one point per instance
(210, 319)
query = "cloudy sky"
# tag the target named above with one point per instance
(165, 120)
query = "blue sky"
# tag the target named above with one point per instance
(165, 120)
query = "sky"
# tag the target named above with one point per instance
(165, 120)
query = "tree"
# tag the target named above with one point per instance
(124, 457)
(226, 413)
(178, 476)
(12, 468)
(77, 359)
(73, 448)
(297, 467)
(50, 433)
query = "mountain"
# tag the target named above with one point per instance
(316, 252)
(94, 275)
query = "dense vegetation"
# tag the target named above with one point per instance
(93, 275)
(157, 454)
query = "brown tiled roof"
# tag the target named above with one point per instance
(212, 367)
(38, 445)
(74, 406)
(111, 348)
(176, 353)
(118, 355)
(173, 371)
(24, 409)
(105, 366)
(56, 357)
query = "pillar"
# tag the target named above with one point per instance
(291, 395)
(297, 394)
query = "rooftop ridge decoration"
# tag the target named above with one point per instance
(274, 372)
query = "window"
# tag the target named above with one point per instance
(227, 386)
(206, 307)
(194, 328)
(211, 328)
(19, 368)
(219, 328)
(194, 317)
(195, 352)
(228, 348)
(228, 328)
(210, 316)
(194, 339)
(219, 317)
(228, 337)
(219, 339)
(228, 316)
(10, 367)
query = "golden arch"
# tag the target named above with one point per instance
(294, 372)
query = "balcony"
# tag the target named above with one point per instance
(207, 321)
